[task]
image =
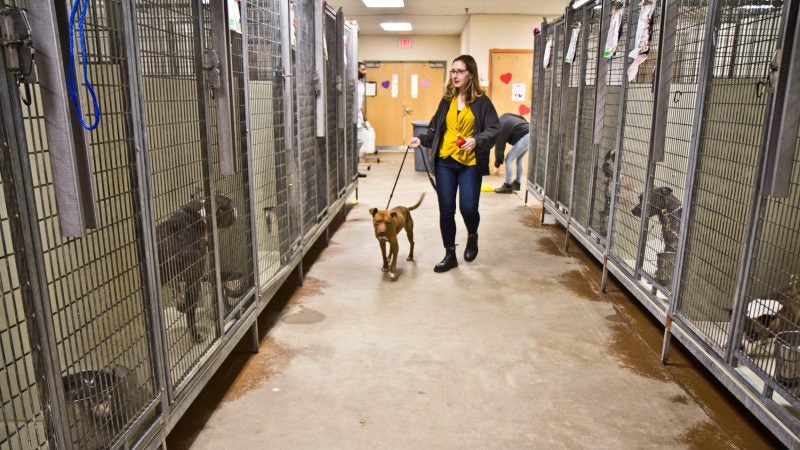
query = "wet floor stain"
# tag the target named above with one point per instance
(633, 354)
(706, 435)
(305, 316)
(312, 287)
(272, 358)
(577, 284)
(615, 318)
(679, 399)
(548, 246)
(533, 220)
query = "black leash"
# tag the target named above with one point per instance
(398, 177)
(427, 171)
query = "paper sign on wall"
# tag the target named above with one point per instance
(395, 88)
(517, 92)
(547, 48)
(573, 45)
(613, 33)
(414, 86)
(234, 18)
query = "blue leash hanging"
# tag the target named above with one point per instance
(73, 91)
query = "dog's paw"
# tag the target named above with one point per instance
(392, 276)
(410, 258)
(385, 268)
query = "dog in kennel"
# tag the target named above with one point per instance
(183, 245)
(765, 318)
(668, 208)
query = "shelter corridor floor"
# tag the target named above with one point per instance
(517, 349)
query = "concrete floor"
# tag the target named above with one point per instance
(518, 349)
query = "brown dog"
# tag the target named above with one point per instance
(388, 223)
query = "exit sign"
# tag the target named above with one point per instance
(404, 42)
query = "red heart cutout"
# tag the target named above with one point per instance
(505, 78)
(524, 110)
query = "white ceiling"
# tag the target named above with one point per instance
(439, 17)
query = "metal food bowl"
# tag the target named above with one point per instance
(787, 359)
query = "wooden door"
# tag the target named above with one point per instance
(510, 81)
(404, 92)
(510, 75)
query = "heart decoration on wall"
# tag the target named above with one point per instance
(524, 110)
(424, 83)
(386, 84)
(506, 77)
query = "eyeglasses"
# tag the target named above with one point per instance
(458, 72)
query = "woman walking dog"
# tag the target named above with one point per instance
(461, 133)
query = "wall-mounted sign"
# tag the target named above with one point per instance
(404, 42)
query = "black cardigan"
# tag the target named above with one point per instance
(487, 127)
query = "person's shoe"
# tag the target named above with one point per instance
(504, 189)
(471, 252)
(362, 175)
(515, 185)
(448, 262)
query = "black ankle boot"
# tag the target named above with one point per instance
(448, 262)
(472, 247)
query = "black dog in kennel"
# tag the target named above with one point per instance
(182, 248)
(668, 208)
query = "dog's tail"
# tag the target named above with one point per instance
(411, 208)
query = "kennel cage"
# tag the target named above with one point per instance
(571, 81)
(556, 69)
(640, 50)
(608, 116)
(545, 95)
(589, 15)
(267, 137)
(537, 115)
(699, 121)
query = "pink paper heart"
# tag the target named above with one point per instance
(424, 83)
(386, 84)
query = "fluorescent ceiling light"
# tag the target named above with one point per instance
(383, 3)
(579, 3)
(396, 26)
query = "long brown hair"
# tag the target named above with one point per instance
(473, 90)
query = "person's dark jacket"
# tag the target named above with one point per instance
(512, 129)
(487, 125)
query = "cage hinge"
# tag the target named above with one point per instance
(15, 37)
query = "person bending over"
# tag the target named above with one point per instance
(514, 130)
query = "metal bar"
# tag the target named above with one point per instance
(205, 142)
(602, 76)
(319, 65)
(785, 115)
(663, 80)
(549, 116)
(220, 37)
(703, 79)
(594, 142)
(138, 124)
(286, 75)
(623, 97)
(248, 142)
(21, 205)
(68, 148)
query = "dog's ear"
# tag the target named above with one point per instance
(665, 190)
(394, 214)
(372, 211)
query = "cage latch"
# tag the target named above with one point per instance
(15, 37)
(211, 66)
